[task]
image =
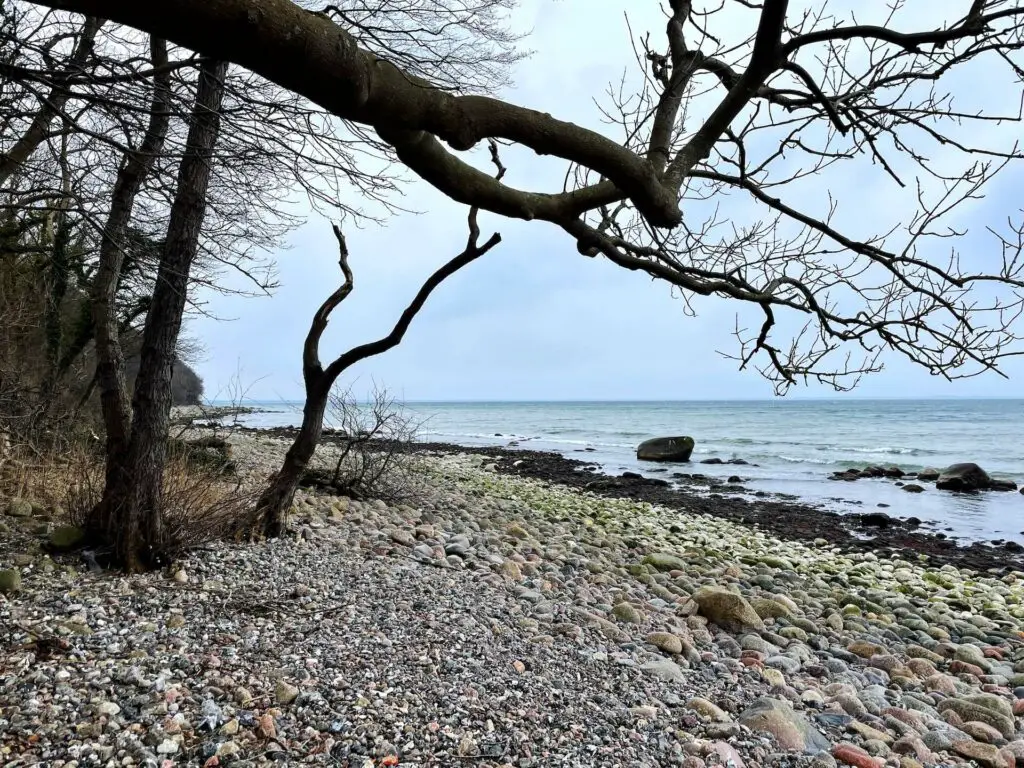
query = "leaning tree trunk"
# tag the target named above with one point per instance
(135, 495)
(276, 500)
(272, 508)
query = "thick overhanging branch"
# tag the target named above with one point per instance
(310, 55)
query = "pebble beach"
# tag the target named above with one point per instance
(498, 620)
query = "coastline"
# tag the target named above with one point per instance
(790, 520)
(508, 621)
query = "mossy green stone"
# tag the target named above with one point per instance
(18, 507)
(628, 613)
(663, 561)
(65, 538)
(10, 580)
(770, 609)
(774, 561)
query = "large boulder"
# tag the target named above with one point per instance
(727, 609)
(665, 449)
(963, 477)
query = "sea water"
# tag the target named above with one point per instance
(795, 444)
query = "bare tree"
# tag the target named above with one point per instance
(319, 379)
(741, 103)
(828, 89)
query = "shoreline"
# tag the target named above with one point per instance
(512, 622)
(874, 531)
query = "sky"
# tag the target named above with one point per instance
(533, 319)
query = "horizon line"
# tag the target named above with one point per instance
(484, 401)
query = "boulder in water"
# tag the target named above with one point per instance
(963, 477)
(1002, 485)
(928, 474)
(665, 449)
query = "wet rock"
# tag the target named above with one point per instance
(963, 477)
(665, 449)
(913, 488)
(875, 520)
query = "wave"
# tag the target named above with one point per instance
(884, 449)
(796, 460)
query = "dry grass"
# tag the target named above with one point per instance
(200, 503)
(46, 477)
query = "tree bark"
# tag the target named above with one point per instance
(310, 55)
(276, 500)
(134, 492)
(110, 377)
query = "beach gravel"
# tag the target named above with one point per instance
(498, 621)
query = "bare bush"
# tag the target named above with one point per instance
(200, 503)
(373, 459)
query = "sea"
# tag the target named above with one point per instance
(793, 446)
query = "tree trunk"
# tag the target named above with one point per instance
(109, 357)
(134, 496)
(276, 500)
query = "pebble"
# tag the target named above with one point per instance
(523, 606)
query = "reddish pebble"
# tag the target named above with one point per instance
(962, 667)
(992, 653)
(1018, 707)
(855, 756)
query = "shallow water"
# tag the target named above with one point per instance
(796, 444)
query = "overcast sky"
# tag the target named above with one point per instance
(532, 320)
